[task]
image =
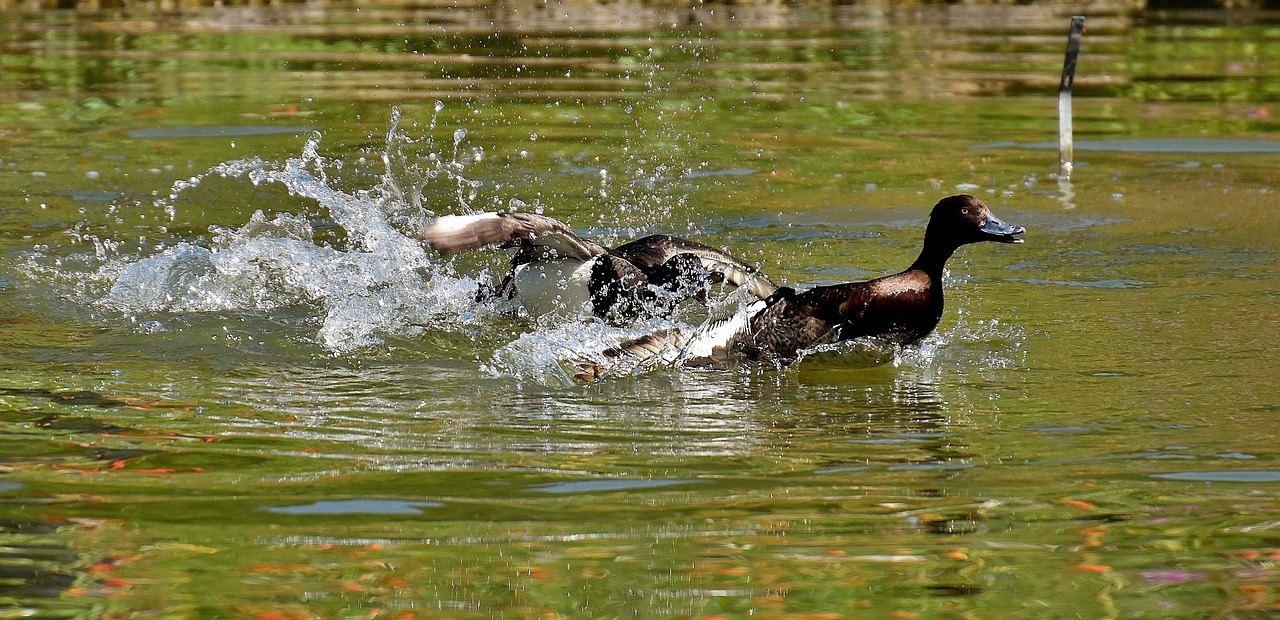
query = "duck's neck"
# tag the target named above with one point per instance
(933, 257)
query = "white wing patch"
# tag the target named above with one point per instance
(717, 335)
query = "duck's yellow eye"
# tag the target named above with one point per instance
(964, 210)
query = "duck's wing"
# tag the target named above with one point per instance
(719, 341)
(451, 234)
(772, 331)
(658, 347)
(710, 345)
(655, 250)
(752, 332)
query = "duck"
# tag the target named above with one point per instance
(555, 271)
(778, 329)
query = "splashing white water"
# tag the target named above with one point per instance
(550, 355)
(382, 283)
(964, 344)
(968, 343)
(554, 354)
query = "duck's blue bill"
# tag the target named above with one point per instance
(997, 230)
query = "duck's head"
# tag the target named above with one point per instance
(964, 219)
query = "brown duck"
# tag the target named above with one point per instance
(900, 308)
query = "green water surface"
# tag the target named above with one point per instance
(1090, 433)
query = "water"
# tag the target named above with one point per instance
(234, 386)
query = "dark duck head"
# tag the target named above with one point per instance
(900, 308)
(555, 271)
(956, 221)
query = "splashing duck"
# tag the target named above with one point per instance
(555, 271)
(778, 328)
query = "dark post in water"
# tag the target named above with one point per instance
(1064, 97)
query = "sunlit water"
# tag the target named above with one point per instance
(235, 386)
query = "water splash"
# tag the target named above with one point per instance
(644, 184)
(968, 343)
(553, 354)
(550, 355)
(381, 282)
(347, 259)
(964, 345)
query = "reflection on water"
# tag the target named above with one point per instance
(592, 486)
(1160, 145)
(216, 132)
(1235, 475)
(37, 569)
(81, 397)
(357, 506)
(584, 52)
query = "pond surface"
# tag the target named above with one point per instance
(233, 386)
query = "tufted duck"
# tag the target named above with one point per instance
(555, 270)
(900, 308)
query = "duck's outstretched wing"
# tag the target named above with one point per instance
(659, 347)
(710, 345)
(451, 234)
(655, 250)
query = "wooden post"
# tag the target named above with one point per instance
(1064, 97)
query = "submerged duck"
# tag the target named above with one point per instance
(901, 308)
(556, 271)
